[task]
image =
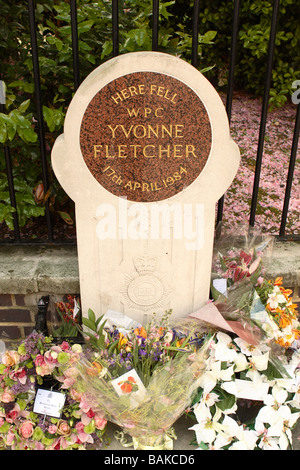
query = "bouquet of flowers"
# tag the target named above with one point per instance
(243, 403)
(248, 396)
(38, 365)
(239, 256)
(65, 318)
(144, 378)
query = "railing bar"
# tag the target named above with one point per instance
(195, 32)
(75, 49)
(115, 27)
(229, 98)
(155, 21)
(264, 112)
(38, 97)
(290, 173)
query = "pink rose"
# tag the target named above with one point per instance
(100, 422)
(41, 366)
(51, 358)
(63, 429)
(7, 396)
(75, 395)
(79, 426)
(39, 360)
(11, 358)
(65, 346)
(2, 421)
(52, 429)
(21, 375)
(26, 429)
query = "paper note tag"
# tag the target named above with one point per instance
(221, 286)
(247, 389)
(129, 384)
(76, 309)
(49, 403)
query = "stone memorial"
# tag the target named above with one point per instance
(145, 155)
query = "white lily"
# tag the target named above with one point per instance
(208, 426)
(224, 350)
(241, 362)
(260, 362)
(251, 349)
(267, 442)
(210, 378)
(246, 440)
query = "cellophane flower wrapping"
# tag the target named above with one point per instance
(154, 392)
(242, 254)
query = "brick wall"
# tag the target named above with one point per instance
(18, 314)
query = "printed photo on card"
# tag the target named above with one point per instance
(129, 384)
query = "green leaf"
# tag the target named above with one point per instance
(91, 315)
(66, 217)
(24, 106)
(89, 324)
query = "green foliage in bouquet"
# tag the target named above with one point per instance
(38, 363)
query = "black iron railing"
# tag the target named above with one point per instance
(194, 54)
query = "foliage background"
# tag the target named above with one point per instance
(18, 124)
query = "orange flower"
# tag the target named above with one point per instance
(278, 281)
(296, 334)
(126, 387)
(131, 379)
(141, 332)
(284, 320)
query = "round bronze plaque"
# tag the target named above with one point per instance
(145, 136)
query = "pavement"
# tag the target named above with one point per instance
(184, 436)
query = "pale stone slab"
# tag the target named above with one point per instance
(124, 263)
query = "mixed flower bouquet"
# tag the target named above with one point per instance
(38, 364)
(143, 378)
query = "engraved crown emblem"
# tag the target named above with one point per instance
(144, 264)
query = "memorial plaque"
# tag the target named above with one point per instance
(146, 154)
(146, 136)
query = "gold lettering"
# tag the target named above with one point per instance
(107, 152)
(151, 130)
(132, 90)
(145, 187)
(133, 112)
(113, 130)
(164, 129)
(144, 151)
(160, 91)
(125, 94)
(152, 89)
(179, 130)
(134, 149)
(97, 150)
(176, 151)
(121, 151)
(136, 185)
(190, 149)
(127, 134)
(128, 185)
(161, 151)
(135, 131)
(156, 112)
(118, 97)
